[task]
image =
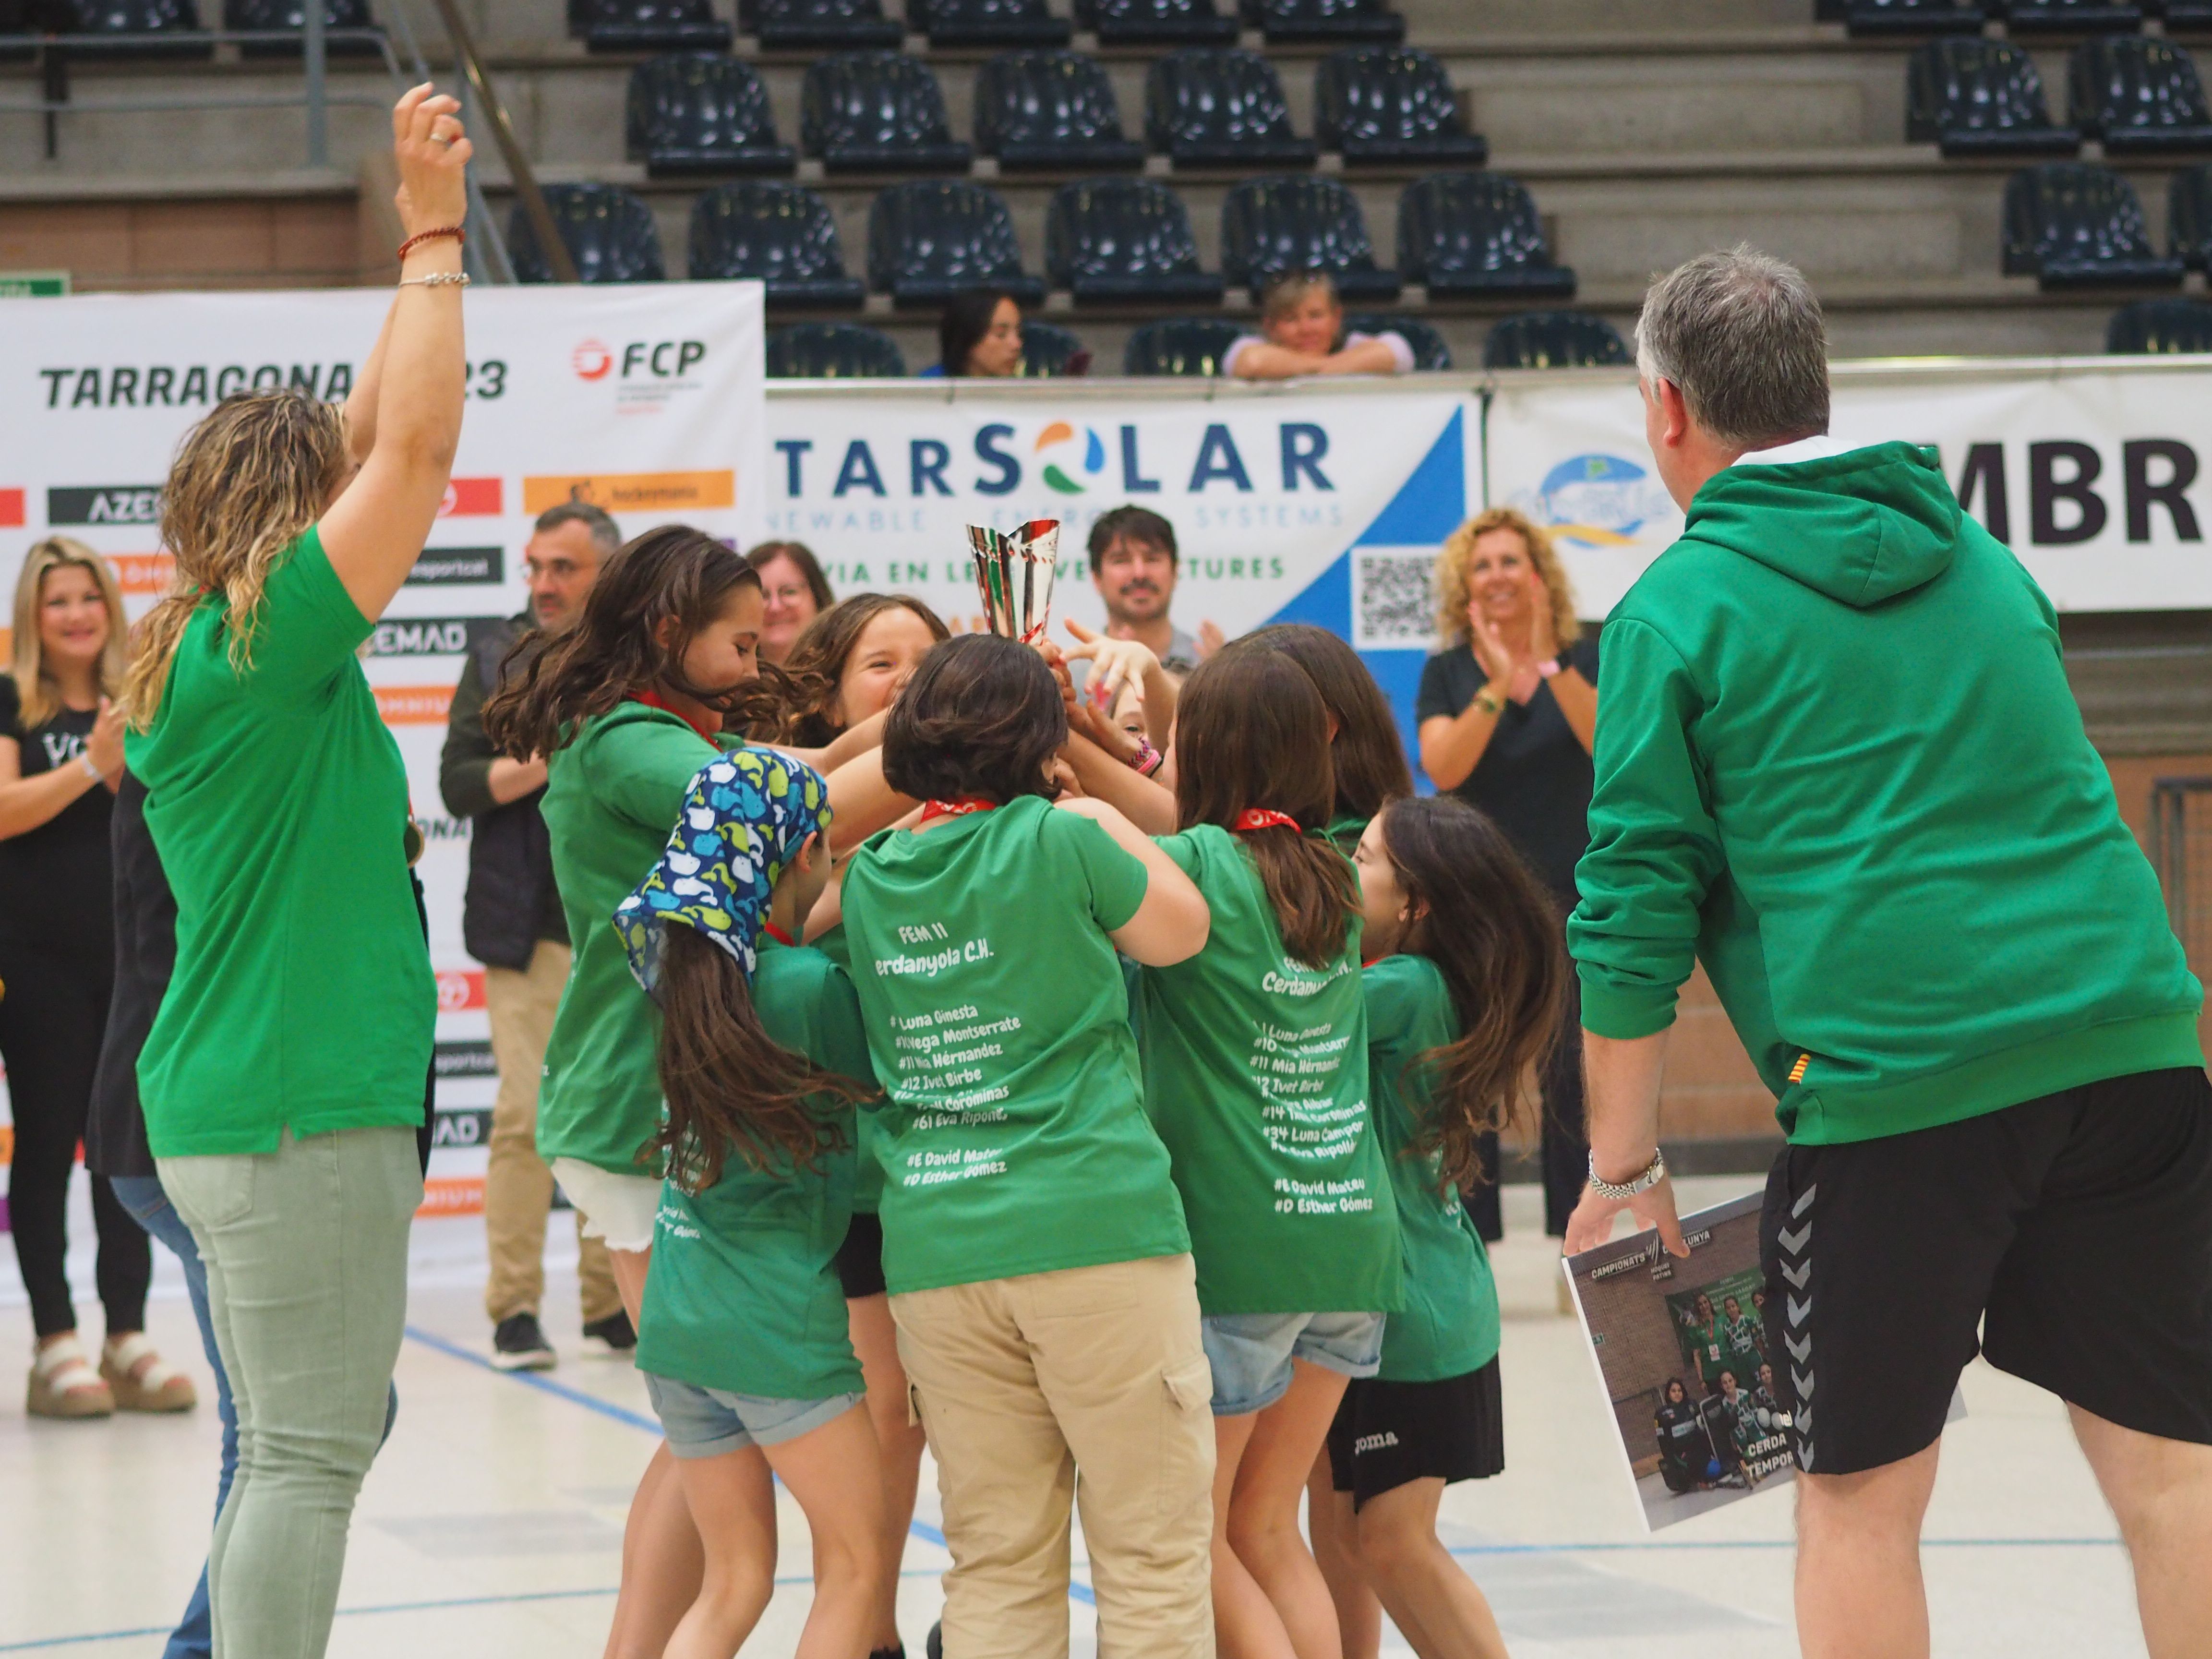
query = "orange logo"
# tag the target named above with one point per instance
(460, 989)
(633, 492)
(142, 572)
(414, 705)
(592, 361)
(452, 1196)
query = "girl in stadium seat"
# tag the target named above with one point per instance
(979, 336)
(743, 1342)
(628, 705)
(1463, 989)
(1255, 1076)
(1038, 1266)
(1301, 332)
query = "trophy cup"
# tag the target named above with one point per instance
(1013, 574)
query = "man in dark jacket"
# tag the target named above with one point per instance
(511, 923)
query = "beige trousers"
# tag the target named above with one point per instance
(1086, 1387)
(518, 1187)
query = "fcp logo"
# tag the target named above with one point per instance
(592, 361)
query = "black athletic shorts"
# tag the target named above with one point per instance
(1387, 1434)
(860, 1257)
(2074, 1231)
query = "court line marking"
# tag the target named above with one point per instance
(931, 1533)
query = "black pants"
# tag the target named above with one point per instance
(53, 1010)
(1566, 1134)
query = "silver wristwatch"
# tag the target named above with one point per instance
(1654, 1173)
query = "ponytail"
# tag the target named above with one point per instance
(1494, 932)
(728, 1083)
(1252, 736)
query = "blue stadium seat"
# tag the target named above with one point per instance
(133, 29)
(782, 235)
(651, 26)
(877, 112)
(1156, 22)
(1049, 352)
(2142, 97)
(608, 232)
(1466, 235)
(691, 114)
(1555, 339)
(1976, 97)
(1336, 22)
(1431, 350)
(1896, 17)
(1180, 345)
(1117, 240)
(1392, 105)
(1215, 107)
(833, 352)
(290, 16)
(2068, 17)
(1051, 109)
(2074, 225)
(1300, 222)
(2189, 216)
(2159, 325)
(932, 239)
(820, 25)
(987, 23)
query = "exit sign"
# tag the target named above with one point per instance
(34, 284)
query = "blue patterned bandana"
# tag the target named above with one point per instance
(744, 819)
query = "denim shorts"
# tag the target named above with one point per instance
(708, 1422)
(1251, 1353)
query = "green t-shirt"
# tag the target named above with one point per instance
(743, 1292)
(1448, 1326)
(611, 800)
(302, 997)
(1346, 832)
(1256, 1076)
(868, 1185)
(1013, 1137)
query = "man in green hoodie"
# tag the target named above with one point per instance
(1838, 762)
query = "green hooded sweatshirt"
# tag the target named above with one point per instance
(1838, 762)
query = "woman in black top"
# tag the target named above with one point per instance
(61, 756)
(1505, 714)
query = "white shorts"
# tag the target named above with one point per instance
(618, 1208)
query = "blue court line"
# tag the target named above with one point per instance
(537, 1380)
(1651, 1546)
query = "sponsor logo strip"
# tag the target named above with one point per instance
(141, 572)
(468, 498)
(452, 1196)
(11, 509)
(460, 989)
(633, 492)
(441, 566)
(414, 705)
(105, 504)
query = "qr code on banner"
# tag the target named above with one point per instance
(1393, 599)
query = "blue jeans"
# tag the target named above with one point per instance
(150, 1206)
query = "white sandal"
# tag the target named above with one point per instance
(65, 1384)
(141, 1380)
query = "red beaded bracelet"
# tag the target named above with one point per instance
(442, 231)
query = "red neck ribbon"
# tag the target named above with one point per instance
(955, 809)
(777, 934)
(1259, 818)
(653, 699)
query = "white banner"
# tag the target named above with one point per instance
(648, 400)
(2090, 470)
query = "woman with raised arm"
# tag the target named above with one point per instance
(282, 1079)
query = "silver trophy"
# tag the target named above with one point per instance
(1014, 573)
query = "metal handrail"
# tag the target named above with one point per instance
(548, 234)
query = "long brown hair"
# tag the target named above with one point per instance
(674, 573)
(1493, 931)
(730, 1085)
(36, 690)
(815, 668)
(246, 484)
(1368, 755)
(1251, 731)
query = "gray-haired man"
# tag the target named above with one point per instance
(1838, 762)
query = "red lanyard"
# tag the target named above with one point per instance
(651, 699)
(1259, 818)
(955, 809)
(777, 934)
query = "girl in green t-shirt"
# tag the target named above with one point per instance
(1464, 986)
(1255, 1076)
(742, 1340)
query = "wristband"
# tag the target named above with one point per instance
(443, 231)
(1557, 665)
(1621, 1192)
(1149, 760)
(91, 770)
(437, 279)
(1489, 703)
